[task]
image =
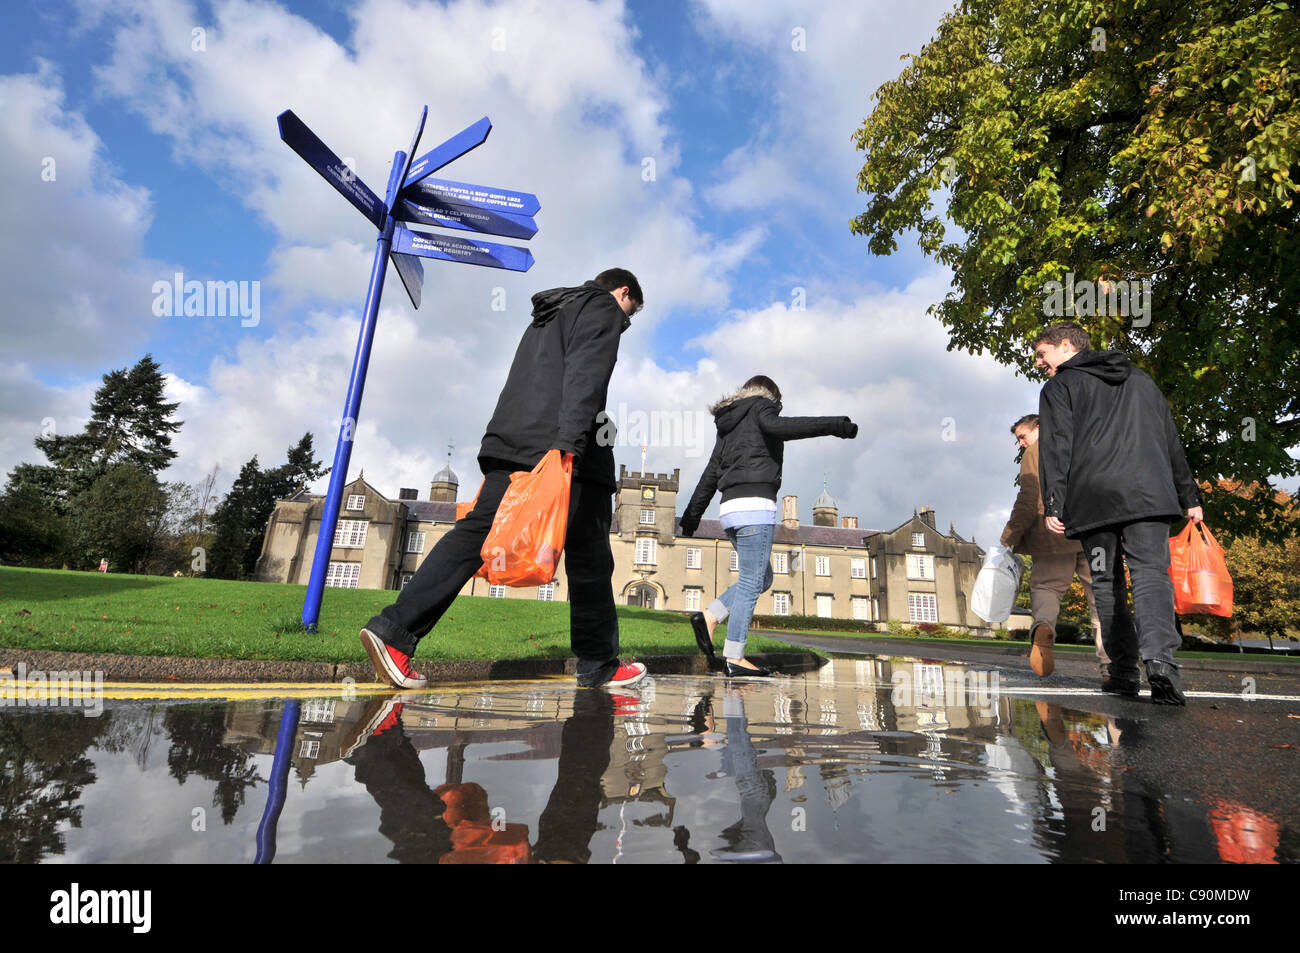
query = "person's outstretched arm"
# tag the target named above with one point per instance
(772, 423)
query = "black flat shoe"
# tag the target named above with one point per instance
(739, 671)
(703, 640)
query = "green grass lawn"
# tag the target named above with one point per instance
(215, 618)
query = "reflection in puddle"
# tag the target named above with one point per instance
(866, 760)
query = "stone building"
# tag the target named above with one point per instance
(831, 568)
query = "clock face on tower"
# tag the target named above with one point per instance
(647, 493)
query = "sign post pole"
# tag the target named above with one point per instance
(351, 409)
(446, 204)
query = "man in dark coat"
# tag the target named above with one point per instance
(554, 398)
(1114, 477)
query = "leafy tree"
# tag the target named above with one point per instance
(1121, 141)
(239, 522)
(31, 531)
(120, 517)
(1265, 578)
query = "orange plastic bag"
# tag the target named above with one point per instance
(462, 509)
(527, 536)
(1200, 575)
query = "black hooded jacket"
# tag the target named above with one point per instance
(1108, 449)
(750, 448)
(558, 384)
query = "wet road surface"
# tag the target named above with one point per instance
(867, 759)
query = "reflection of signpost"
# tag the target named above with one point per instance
(410, 196)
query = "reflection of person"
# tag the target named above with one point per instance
(571, 815)
(749, 839)
(746, 467)
(1056, 559)
(553, 398)
(1114, 476)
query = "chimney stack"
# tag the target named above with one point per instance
(790, 512)
(849, 522)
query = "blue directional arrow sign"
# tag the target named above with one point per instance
(318, 155)
(415, 142)
(471, 137)
(411, 271)
(453, 248)
(444, 192)
(466, 218)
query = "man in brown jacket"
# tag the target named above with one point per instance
(1056, 559)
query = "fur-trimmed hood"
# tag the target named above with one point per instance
(732, 409)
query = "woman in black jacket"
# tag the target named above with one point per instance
(746, 467)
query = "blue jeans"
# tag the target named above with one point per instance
(753, 545)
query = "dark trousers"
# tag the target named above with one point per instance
(588, 563)
(1144, 546)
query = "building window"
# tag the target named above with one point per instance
(823, 565)
(875, 609)
(860, 608)
(918, 541)
(922, 607)
(735, 561)
(406, 577)
(873, 567)
(356, 501)
(647, 517)
(496, 592)
(780, 603)
(857, 567)
(692, 599)
(781, 564)
(920, 566)
(310, 748)
(415, 543)
(319, 710)
(546, 593)
(350, 534)
(645, 552)
(343, 575)
(824, 607)
(694, 557)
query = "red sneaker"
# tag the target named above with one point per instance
(391, 665)
(627, 673)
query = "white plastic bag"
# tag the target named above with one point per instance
(997, 584)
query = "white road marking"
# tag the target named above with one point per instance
(1016, 690)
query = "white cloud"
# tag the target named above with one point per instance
(77, 289)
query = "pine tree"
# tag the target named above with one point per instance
(130, 423)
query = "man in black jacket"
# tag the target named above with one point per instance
(1114, 477)
(553, 398)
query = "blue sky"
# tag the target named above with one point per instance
(167, 159)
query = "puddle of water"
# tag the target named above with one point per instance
(865, 760)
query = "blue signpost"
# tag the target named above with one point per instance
(411, 196)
